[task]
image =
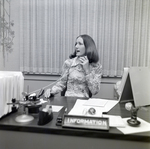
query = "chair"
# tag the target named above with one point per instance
(63, 92)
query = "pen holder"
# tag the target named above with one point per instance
(45, 117)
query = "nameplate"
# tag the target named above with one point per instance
(86, 122)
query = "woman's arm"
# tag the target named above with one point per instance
(61, 84)
(94, 78)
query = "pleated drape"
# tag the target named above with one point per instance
(48, 29)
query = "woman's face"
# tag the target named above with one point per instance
(80, 48)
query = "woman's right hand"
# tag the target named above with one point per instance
(47, 94)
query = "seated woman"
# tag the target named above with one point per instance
(81, 72)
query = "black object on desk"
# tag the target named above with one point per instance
(61, 116)
(14, 103)
(32, 109)
(45, 115)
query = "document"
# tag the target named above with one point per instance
(81, 106)
(80, 109)
(96, 102)
(143, 127)
(102, 105)
(115, 120)
(105, 104)
(56, 108)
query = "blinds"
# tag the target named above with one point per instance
(48, 29)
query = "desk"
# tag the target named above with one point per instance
(22, 136)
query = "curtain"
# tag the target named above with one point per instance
(48, 30)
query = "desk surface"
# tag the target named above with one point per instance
(9, 123)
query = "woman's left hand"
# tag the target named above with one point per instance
(85, 63)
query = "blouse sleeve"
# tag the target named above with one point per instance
(62, 82)
(94, 78)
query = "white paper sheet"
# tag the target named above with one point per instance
(56, 108)
(143, 127)
(96, 102)
(115, 121)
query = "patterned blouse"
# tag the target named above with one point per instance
(78, 83)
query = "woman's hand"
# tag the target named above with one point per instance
(85, 63)
(47, 93)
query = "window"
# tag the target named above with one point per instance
(48, 29)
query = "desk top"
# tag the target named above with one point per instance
(9, 123)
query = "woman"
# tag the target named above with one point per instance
(81, 72)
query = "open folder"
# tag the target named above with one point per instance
(101, 105)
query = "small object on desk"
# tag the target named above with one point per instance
(14, 108)
(45, 115)
(14, 103)
(33, 109)
(61, 116)
(32, 102)
(25, 94)
(86, 122)
(92, 111)
(133, 120)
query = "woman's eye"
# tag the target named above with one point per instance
(80, 43)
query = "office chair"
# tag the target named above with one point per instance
(63, 92)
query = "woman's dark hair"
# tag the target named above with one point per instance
(90, 49)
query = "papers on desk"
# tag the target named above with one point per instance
(81, 107)
(104, 104)
(143, 127)
(115, 121)
(96, 102)
(101, 105)
(56, 108)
